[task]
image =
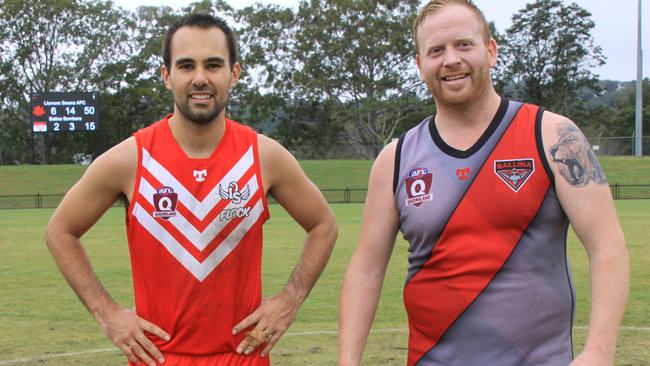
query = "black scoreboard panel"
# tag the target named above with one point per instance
(64, 112)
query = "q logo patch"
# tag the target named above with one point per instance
(164, 201)
(418, 187)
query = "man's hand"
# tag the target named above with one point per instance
(587, 358)
(127, 330)
(271, 320)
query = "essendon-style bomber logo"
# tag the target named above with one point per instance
(418, 187)
(164, 201)
(514, 172)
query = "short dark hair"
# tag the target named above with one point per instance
(203, 21)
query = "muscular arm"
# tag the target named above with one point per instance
(585, 196)
(365, 274)
(104, 181)
(81, 207)
(285, 180)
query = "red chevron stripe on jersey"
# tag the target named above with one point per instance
(195, 238)
(202, 232)
(477, 240)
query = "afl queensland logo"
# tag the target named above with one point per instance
(514, 172)
(164, 201)
(418, 187)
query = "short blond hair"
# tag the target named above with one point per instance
(435, 6)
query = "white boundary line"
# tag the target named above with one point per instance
(295, 334)
(57, 355)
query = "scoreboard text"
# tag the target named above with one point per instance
(64, 112)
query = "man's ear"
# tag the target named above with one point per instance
(493, 52)
(418, 62)
(235, 73)
(164, 72)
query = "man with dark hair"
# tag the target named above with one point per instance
(196, 183)
(484, 191)
(203, 21)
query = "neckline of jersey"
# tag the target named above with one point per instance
(182, 152)
(463, 154)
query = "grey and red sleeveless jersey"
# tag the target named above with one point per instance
(488, 279)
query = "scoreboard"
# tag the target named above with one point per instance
(64, 112)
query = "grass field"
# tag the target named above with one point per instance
(327, 174)
(43, 323)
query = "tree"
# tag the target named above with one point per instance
(309, 130)
(140, 97)
(354, 55)
(549, 54)
(260, 99)
(625, 119)
(64, 45)
(359, 53)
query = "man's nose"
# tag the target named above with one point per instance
(199, 79)
(450, 57)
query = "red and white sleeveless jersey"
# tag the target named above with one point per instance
(195, 238)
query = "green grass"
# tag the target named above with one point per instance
(44, 179)
(326, 174)
(41, 316)
(626, 169)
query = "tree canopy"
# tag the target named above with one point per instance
(328, 79)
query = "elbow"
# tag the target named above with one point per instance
(53, 236)
(326, 230)
(332, 228)
(50, 236)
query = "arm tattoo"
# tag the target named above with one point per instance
(574, 158)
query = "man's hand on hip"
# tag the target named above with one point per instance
(271, 321)
(127, 331)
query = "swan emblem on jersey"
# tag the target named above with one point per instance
(418, 187)
(233, 194)
(514, 172)
(164, 201)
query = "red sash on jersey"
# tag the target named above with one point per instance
(195, 238)
(479, 237)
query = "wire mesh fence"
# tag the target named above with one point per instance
(618, 146)
(344, 195)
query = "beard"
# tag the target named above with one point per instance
(202, 115)
(479, 83)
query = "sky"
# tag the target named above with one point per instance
(615, 30)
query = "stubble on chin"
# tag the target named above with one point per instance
(200, 117)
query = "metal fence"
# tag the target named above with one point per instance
(618, 146)
(345, 195)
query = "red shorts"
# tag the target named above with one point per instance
(221, 359)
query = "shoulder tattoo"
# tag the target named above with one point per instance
(575, 160)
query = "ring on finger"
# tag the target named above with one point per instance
(255, 337)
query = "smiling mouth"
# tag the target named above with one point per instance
(454, 77)
(200, 96)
